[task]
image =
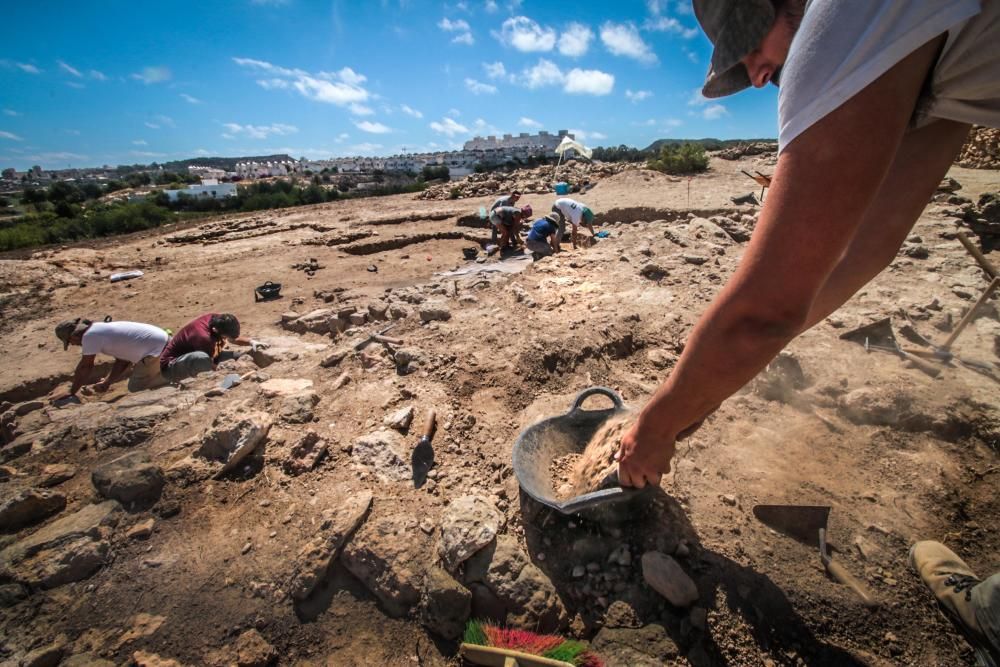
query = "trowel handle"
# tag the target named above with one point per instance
(429, 426)
(841, 574)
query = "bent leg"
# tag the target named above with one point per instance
(190, 364)
(921, 162)
(986, 602)
(146, 375)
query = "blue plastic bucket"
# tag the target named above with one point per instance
(562, 188)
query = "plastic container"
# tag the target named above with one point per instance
(562, 188)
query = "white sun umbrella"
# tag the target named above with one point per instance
(571, 144)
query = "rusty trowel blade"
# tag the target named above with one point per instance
(877, 333)
(801, 522)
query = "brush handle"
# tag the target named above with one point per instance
(843, 576)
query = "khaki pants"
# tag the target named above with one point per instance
(146, 375)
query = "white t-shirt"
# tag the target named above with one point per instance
(128, 341)
(571, 209)
(844, 45)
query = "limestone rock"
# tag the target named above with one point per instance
(401, 419)
(317, 321)
(648, 646)
(468, 525)
(55, 474)
(434, 312)
(335, 357)
(523, 594)
(298, 408)
(230, 439)
(125, 432)
(141, 530)
(284, 348)
(378, 310)
(305, 454)
(131, 478)
(29, 506)
(279, 387)
(381, 451)
(144, 659)
(49, 655)
(661, 358)
(390, 559)
(252, 650)
(398, 312)
(665, 576)
(314, 560)
(28, 407)
(446, 604)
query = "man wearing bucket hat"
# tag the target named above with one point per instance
(134, 346)
(876, 99)
(577, 213)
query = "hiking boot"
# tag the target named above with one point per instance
(951, 581)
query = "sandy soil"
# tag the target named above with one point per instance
(899, 455)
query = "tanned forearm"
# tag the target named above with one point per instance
(117, 372)
(81, 374)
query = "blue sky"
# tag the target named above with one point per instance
(115, 82)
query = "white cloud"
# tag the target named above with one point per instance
(697, 99)
(150, 75)
(97, 75)
(365, 147)
(460, 26)
(152, 126)
(165, 120)
(69, 69)
(75, 84)
(449, 127)
(589, 82)
(453, 26)
(669, 25)
(583, 135)
(495, 70)
(10, 135)
(139, 142)
(528, 122)
(371, 127)
(190, 98)
(623, 39)
(342, 88)
(360, 109)
(273, 84)
(672, 122)
(342, 137)
(479, 88)
(24, 67)
(146, 154)
(454, 113)
(491, 7)
(683, 7)
(714, 112)
(258, 131)
(544, 73)
(650, 122)
(638, 95)
(410, 111)
(526, 35)
(575, 40)
(12, 113)
(201, 151)
(691, 55)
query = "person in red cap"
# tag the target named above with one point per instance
(876, 99)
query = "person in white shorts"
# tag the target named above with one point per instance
(577, 213)
(876, 99)
(133, 345)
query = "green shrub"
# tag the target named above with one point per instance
(680, 159)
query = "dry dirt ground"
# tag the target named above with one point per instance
(899, 455)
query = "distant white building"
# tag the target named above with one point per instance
(542, 141)
(206, 172)
(208, 188)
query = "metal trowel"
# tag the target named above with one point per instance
(807, 524)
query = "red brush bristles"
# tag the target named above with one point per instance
(521, 640)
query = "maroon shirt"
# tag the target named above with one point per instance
(195, 336)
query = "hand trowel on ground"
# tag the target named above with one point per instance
(807, 524)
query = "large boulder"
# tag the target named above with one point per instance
(665, 576)
(68, 549)
(28, 507)
(131, 478)
(522, 591)
(468, 525)
(314, 560)
(232, 438)
(446, 604)
(389, 556)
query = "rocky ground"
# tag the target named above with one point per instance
(280, 521)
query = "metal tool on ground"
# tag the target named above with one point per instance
(980, 258)
(380, 337)
(763, 180)
(808, 524)
(422, 459)
(879, 336)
